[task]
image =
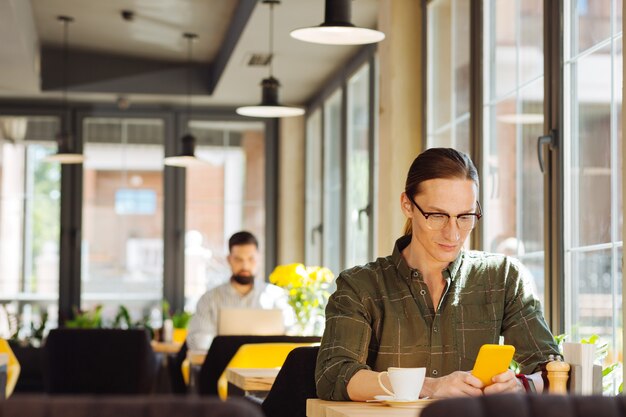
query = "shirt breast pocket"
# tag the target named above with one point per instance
(475, 325)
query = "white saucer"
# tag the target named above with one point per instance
(392, 402)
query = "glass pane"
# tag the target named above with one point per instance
(439, 64)
(504, 46)
(617, 28)
(531, 40)
(358, 170)
(332, 183)
(591, 150)
(29, 221)
(122, 246)
(223, 197)
(442, 139)
(313, 197)
(448, 70)
(617, 117)
(462, 136)
(593, 23)
(596, 305)
(512, 181)
(461, 56)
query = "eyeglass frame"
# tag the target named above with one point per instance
(427, 214)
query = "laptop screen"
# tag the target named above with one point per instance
(250, 321)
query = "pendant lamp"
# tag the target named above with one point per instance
(270, 106)
(337, 28)
(64, 152)
(186, 157)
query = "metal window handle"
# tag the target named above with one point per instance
(317, 229)
(367, 210)
(549, 139)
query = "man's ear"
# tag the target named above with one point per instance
(405, 205)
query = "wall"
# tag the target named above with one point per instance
(401, 109)
(291, 190)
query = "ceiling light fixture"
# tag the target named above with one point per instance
(270, 106)
(64, 153)
(186, 157)
(337, 28)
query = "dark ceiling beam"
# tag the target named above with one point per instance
(235, 29)
(106, 73)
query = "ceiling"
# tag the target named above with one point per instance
(145, 59)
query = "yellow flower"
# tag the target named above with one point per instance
(306, 289)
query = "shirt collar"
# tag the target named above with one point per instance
(403, 268)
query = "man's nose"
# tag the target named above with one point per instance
(452, 232)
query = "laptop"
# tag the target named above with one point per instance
(250, 321)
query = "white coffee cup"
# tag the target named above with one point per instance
(405, 382)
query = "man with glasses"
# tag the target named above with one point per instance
(432, 304)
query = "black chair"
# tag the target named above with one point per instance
(223, 348)
(99, 361)
(174, 363)
(125, 406)
(31, 373)
(294, 384)
(528, 406)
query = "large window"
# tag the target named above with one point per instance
(224, 195)
(29, 219)
(593, 171)
(582, 219)
(339, 174)
(122, 245)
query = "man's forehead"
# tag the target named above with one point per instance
(244, 250)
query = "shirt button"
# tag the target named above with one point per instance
(435, 329)
(423, 292)
(415, 274)
(435, 372)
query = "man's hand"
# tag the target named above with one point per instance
(506, 382)
(457, 384)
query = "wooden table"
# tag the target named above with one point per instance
(320, 408)
(252, 379)
(165, 347)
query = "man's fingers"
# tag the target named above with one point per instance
(504, 376)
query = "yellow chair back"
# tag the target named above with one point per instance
(257, 355)
(13, 367)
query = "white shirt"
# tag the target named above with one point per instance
(203, 324)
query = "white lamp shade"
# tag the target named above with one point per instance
(338, 35)
(270, 111)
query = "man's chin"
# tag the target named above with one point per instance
(243, 279)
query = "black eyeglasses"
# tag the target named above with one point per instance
(437, 221)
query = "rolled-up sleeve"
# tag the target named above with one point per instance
(523, 324)
(344, 347)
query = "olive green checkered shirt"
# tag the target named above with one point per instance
(382, 315)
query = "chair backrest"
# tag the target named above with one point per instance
(13, 367)
(125, 406)
(257, 355)
(31, 373)
(294, 384)
(174, 365)
(223, 349)
(99, 361)
(528, 406)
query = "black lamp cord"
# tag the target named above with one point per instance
(271, 40)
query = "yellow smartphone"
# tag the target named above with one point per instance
(491, 361)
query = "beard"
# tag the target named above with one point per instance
(243, 279)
